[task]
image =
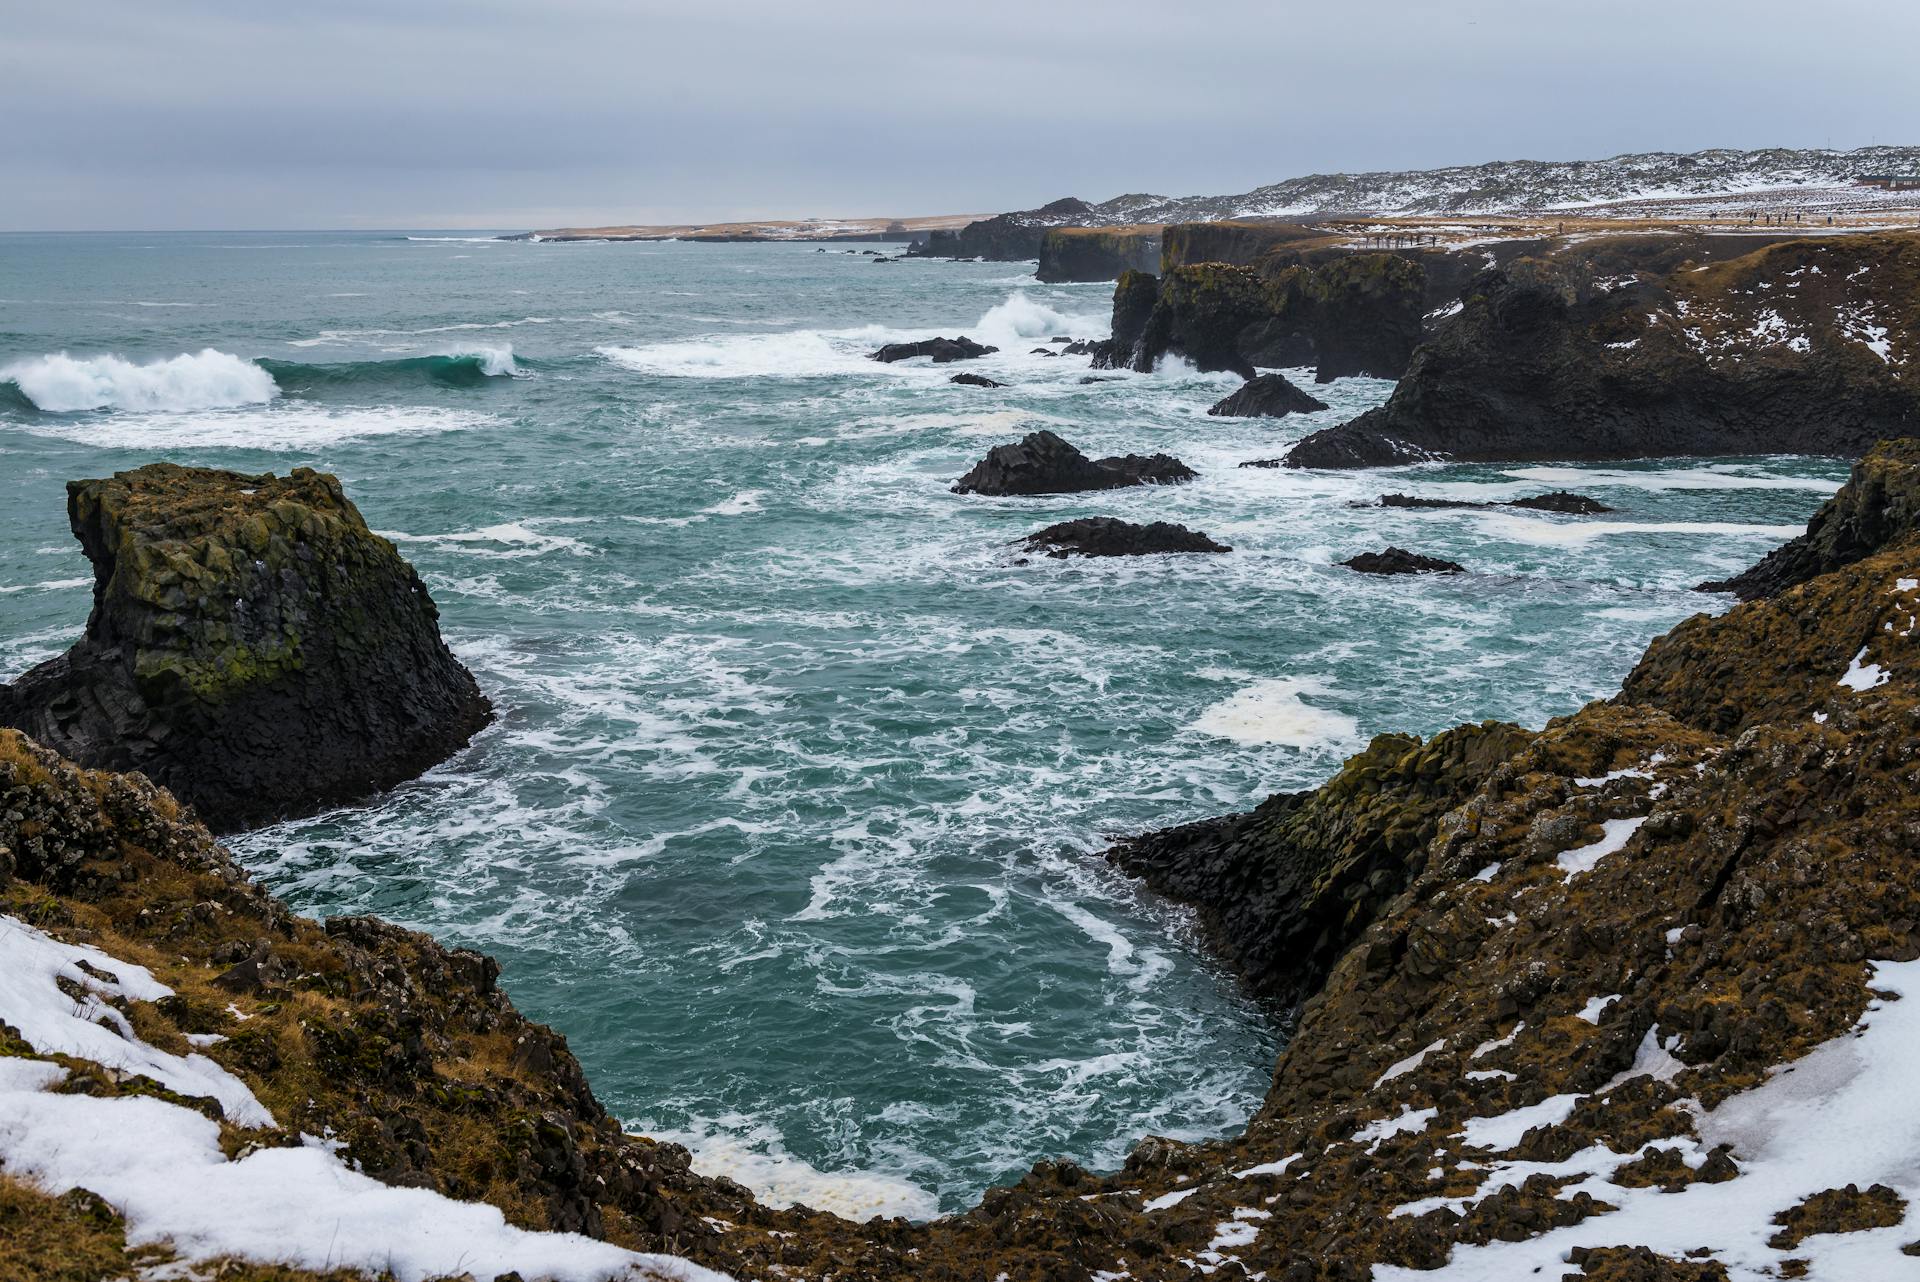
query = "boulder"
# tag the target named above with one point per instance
(1106, 536)
(1400, 561)
(943, 350)
(1042, 463)
(1559, 501)
(974, 380)
(253, 646)
(1269, 396)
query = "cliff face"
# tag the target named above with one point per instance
(1007, 238)
(1096, 253)
(252, 645)
(1614, 350)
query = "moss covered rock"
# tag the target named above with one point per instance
(253, 646)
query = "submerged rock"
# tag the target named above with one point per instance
(1559, 501)
(1400, 561)
(944, 351)
(253, 646)
(1880, 502)
(974, 380)
(1043, 463)
(1106, 536)
(1267, 395)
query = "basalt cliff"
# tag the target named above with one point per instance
(253, 647)
(1642, 346)
(1626, 997)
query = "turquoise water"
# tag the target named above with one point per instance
(791, 816)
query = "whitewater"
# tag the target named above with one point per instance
(792, 814)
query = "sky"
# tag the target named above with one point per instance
(525, 114)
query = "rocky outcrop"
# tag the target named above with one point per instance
(1096, 253)
(1106, 536)
(974, 380)
(1006, 237)
(1561, 501)
(1401, 561)
(253, 646)
(1133, 302)
(1879, 503)
(1266, 396)
(1345, 313)
(1042, 463)
(1803, 346)
(944, 351)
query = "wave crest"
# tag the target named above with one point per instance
(449, 369)
(204, 380)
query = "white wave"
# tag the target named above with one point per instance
(1545, 533)
(802, 353)
(755, 1155)
(208, 379)
(513, 540)
(1694, 478)
(50, 585)
(285, 426)
(1021, 320)
(1272, 712)
(495, 362)
(739, 504)
(341, 337)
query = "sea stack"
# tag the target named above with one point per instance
(253, 647)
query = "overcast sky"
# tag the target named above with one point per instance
(533, 113)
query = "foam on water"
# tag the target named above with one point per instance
(1272, 712)
(285, 426)
(755, 1155)
(207, 379)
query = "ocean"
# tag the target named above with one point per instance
(791, 817)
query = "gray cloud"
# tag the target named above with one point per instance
(217, 113)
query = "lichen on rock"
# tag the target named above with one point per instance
(252, 645)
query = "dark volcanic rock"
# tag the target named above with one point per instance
(1879, 503)
(1133, 302)
(1005, 237)
(1096, 253)
(1400, 561)
(1042, 463)
(1559, 501)
(974, 380)
(253, 646)
(1267, 395)
(1563, 502)
(1106, 536)
(1769, 352)
(943, 350)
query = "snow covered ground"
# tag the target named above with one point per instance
(161, 1166)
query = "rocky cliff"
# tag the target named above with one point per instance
(1096, 253)
(253, 646)
(1634, 347)
(1008, 238)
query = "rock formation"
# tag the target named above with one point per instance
(1005, 238)
(1097, 253)
(252, 646)
(1400, 561)
(1803, 346)
(1880, 499)
(1106, 536)
(1133, 301)
(1269, 396)
(944, 351)
(1560, 501)
(974, 380)
(1042, 463)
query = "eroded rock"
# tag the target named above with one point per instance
(1043, 463)
(1107, 536)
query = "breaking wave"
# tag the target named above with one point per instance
(452, 369)
(203, 380)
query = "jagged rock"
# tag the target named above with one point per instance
(253, 646)
(1079, 347)
(1401, 561)
(1043, 351)
(974, 380)
(1007, 238)
(1042, 463)
(1106, 536)
(1267, 395)
(1096, 378)
(1880, 502)
(1774, 351)
(943, 350)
